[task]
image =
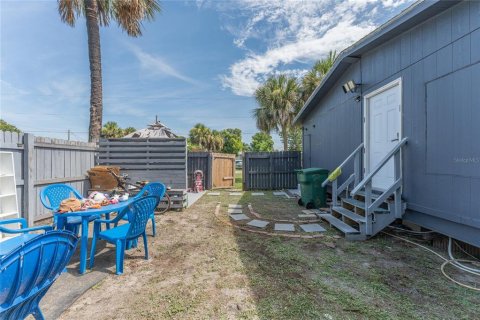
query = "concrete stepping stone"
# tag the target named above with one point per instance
(236, 193)
(307, 216)
(235, 206)
(284, 227)
(258, 194)
(239, 217)
(235, 211)
(312, 227)
(279, 193)
(311, 211)
(258, 223)
(213, 193)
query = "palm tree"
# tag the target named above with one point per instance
(112, 130)
(312, 79)
(215, 141)
(128, 130)
(199, 135)
(278, 101)
(128, 14)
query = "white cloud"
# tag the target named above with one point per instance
(293, 34)
(158, 65)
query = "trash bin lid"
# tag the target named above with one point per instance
(315, 171)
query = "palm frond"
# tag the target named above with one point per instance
(130, 13)
(69, 10)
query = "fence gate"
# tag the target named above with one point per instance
(271, 170)
(223, 170)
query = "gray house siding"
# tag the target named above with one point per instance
(439, 63)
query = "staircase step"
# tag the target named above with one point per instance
(339, 224)
(349, 214)
(374, 195)
(361, 205)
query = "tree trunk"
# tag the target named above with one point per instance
(285, 138)
(94, 55)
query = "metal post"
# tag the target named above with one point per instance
(28, 184)
(398, 192)
(334, 192)
(356, 169)
(368, 202)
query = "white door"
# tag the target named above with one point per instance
(382, 131)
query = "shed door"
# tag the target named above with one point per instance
(382, 131)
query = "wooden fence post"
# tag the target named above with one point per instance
(28, 183)
(210, 170)
(271, 170)
(246, 182)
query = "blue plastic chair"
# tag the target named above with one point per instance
(138, 213)
(51, 197)
(152, 189)
(28, 271)
(8, 245)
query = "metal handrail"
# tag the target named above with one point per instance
(378, 167)
(350, 157)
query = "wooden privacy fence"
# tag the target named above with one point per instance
(200, 161)
(153, 159)
(271, 170)
(42, 161)
(218, 169)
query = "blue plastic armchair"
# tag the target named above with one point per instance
(138, 213)
(29, 270)
(51, 197)
(152, 189)
(8, 245)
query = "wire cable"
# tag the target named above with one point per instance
(411, 231)
(444, 264)
(458, 264)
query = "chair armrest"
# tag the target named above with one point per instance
(77, 194)
(22, 221)
(43, 200)
(25, 230)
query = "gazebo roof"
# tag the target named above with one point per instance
(154, 130)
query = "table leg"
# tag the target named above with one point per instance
(107, 216)
(83, 248)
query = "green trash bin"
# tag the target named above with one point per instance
(313, 194)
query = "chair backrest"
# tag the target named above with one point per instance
(139, 213)
(52, 195)
(28, 271)
(153, 189)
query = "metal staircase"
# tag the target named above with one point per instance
(363, 212)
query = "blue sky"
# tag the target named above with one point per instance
(199, 61)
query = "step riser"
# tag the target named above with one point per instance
(352, 213)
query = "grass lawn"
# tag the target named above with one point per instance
(238, 179)
(202, 268)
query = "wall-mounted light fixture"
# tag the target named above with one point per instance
(350, 86)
